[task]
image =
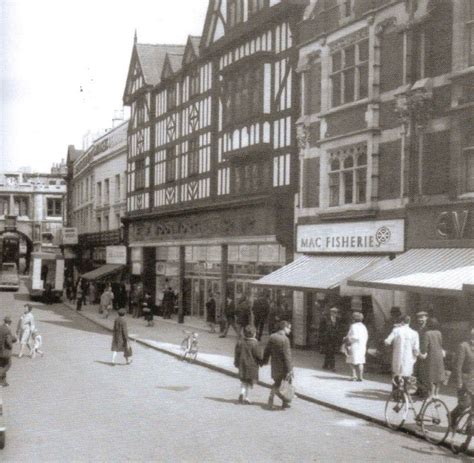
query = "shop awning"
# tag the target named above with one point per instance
(442, 271)
(102, 272)
(317, 272)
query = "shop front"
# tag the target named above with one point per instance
(328, 254)
(437, 270)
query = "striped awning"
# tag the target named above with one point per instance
(102, 272)
(442, 271)
(317, 272)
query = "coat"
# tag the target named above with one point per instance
(6, 342)
(357, 337)
(464, 368)
(120, 335)
(432, 368)
(106, 299)
(330, 337)
(26, 325)
(211, 310)
(248, 357)
(261, 308)
(244, 315)
(406, 347)
(278, 349)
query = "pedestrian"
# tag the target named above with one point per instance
(6, 346)
(148, 314)
(79, 295)
(244, 314)
(136, 297)
(356, 346)
(261, 310)
(211, 313)
(168, 302)
(37, 343)
(106, 301)
(421, 327)
(85, 290)
(48, 294)
(229, 318)
(92, 293)
(120, 342)
(406, 347)
(279, 351)
(330, 338)
(25, 327)
(248, 358)
(431, 357)
(385, 352)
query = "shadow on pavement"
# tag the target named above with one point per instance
(110, 364)
(332, 378)
(174, 388)
(262, 405)
(22, 297)
(72, 324)
(369, 394)
(434, 452)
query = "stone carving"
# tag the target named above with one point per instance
(416, 105)
(302, 136)
(384, 25)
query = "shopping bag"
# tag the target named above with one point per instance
(128, 351)
(286, 391)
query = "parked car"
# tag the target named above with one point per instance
(9, 278)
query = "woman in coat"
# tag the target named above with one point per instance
(26, 325)
(356, 346)
(432, 357)
(211, 313)
(120, 338)
(248, 358)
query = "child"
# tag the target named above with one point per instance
(37, 343)
(248, 358)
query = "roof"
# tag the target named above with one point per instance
(317, 272)
(442, 271)
(175, 60)
(195, 41)
(152, 58)
(73, 153)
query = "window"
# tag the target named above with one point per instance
(4, 205)
(193, 157)
(171, 97)
(99, 224)
(117, 188)
(106, 222)
(140, 113)
(348, 177)
(106, 191)
(235, 12)
(52, 182)
(171, 164)
(470, 32)
(117, 220)
(194, 83)
(256, 5)
(243, 96)
(251, 178)
(99, 193)
(350, 73)
(21, 206)
(54, 207)
(140, 174)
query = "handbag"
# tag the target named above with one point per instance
(128, 351)
(286, 391)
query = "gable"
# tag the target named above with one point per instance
(135, 78)
(189, 53)
(214, 27)
(167, 69)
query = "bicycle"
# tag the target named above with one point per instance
(461, 432)
(189, 346)
(433, 416)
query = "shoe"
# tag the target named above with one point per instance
(247, 402)
(285, 405)
(241, 399)
(270, 403)
(5, 384)
(360, 379)
(222, 336)
(353, 379)
(129, 361)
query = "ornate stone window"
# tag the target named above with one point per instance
(348, 176)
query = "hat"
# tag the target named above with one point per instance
(422, 313)
(357, 316)
(334, 309)
(7, 319)
(395, 310)
(121, 312)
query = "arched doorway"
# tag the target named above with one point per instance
(16, 246)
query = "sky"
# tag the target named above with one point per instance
(63, 67)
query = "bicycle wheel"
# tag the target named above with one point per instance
(435, 421)
(396, 409)
(461, 433)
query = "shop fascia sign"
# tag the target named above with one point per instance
(453, 224)
(69, 235)
(116, 255)
(380, 236)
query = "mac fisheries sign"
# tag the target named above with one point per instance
(380, 236)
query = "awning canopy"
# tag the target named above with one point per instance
(102, 272)
(317, 272)
(442, 271)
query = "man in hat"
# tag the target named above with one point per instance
(330, 331)
(6, 345)
(421, 328)
(120, 341)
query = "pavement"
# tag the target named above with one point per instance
(365, 400)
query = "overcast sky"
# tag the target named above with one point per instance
(64, 64)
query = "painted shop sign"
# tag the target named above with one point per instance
(116, 255)
(359, 237)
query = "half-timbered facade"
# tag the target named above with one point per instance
(214, 207)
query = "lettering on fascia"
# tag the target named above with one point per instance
(452, 224)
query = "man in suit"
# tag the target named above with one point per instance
(278, 349)
(331, 338)
(6, 345)
(421, 328)
(261, 309)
